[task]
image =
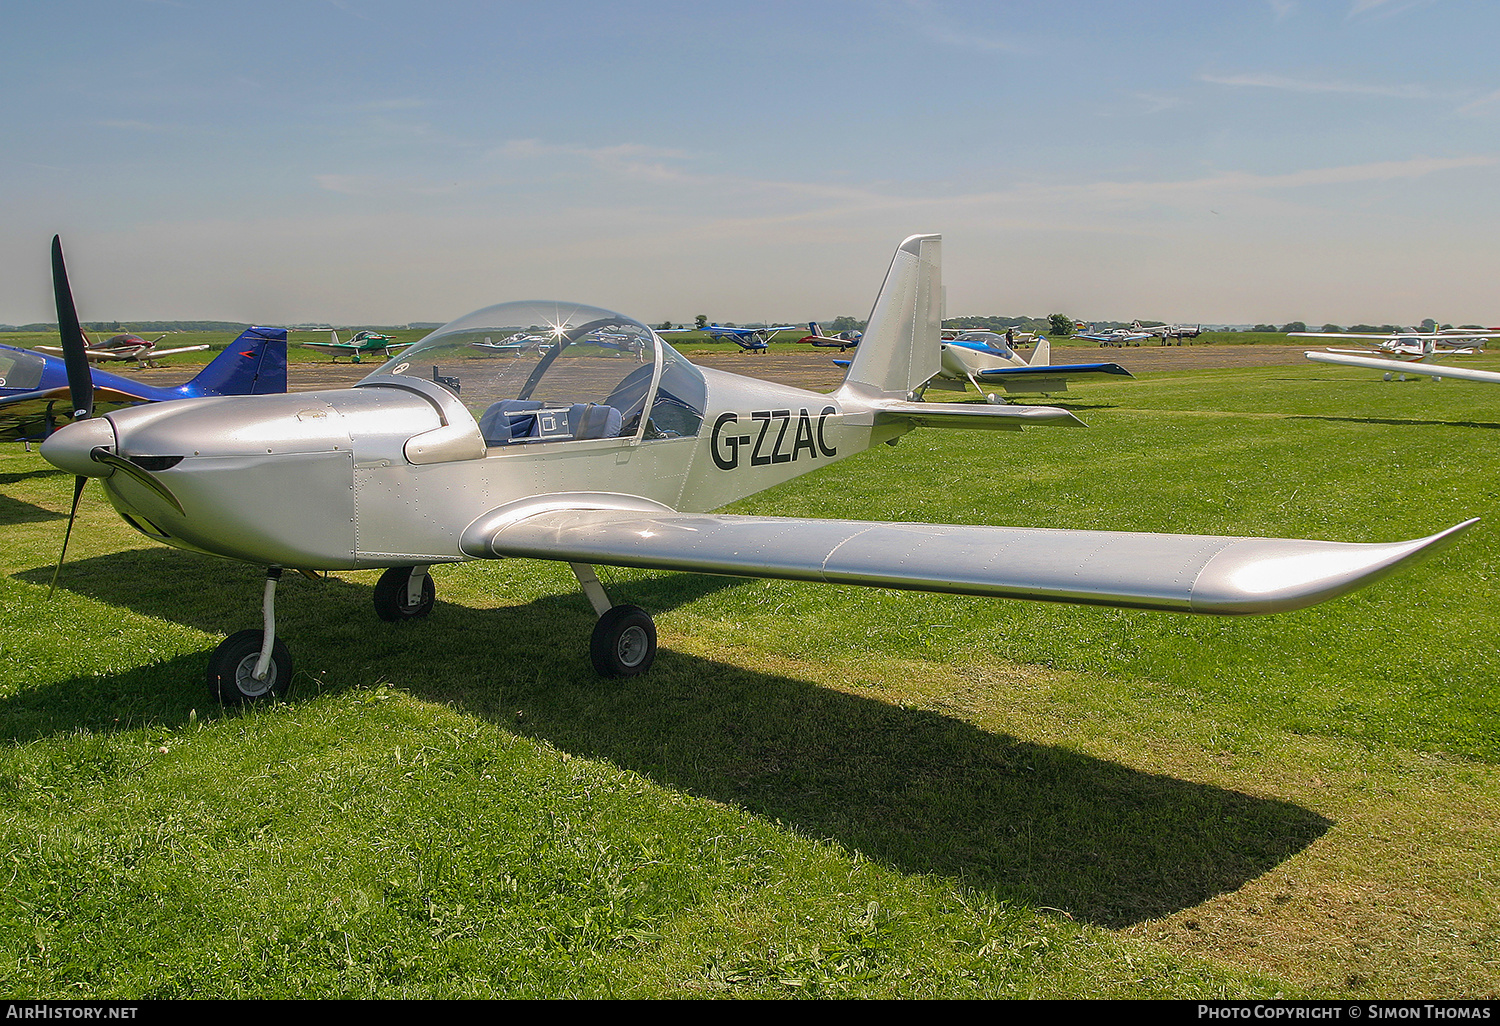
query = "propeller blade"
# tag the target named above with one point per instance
(75, 355)
(78, 483)
(102, 455)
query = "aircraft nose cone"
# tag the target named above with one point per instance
(69, 446)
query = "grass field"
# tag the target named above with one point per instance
(816, 791)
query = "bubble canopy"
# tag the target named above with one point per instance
(547, 371)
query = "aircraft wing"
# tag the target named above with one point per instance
(1180, 573)
(1400, 367)
(331, 347)
(103, 355)
(154, 353)
(1056, 370)
(36, 414)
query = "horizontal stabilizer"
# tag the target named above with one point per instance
(1182, 573)
(963, 415)
(1399, 367)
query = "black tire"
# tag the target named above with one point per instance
(390, 596)
(231, 670)
(623, 643)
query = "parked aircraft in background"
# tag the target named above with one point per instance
(843, 341)
(128, 347)
(363, 343)
(1168, 332)
(983, 358)
(1113, 336)
(1409, 345)
(751, 340)
(34, 395)
(453, 453)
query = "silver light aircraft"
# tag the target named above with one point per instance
(982, 358)
(589, 452)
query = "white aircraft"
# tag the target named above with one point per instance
(588, 456)
(1115, 336)
(1409, 345)
(981, 358)
(128, 347)
(1399, 369)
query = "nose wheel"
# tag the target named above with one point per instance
(252, 665)
(231, 669)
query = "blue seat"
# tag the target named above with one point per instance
(520, 420)
(507, 420)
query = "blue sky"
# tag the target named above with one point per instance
(378, 161)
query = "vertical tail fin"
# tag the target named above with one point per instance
(814, 328)
(253, 364)
(1041, 356)
(901, 347)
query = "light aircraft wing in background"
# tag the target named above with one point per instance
(1393, 367)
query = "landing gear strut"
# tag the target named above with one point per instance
(624, 640)
(252, 665)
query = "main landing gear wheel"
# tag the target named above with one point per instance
(623, 643)
(391, 595)
(231, 669)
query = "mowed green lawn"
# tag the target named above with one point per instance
(816, 791)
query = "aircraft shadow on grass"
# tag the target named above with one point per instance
(24, 475)
(915, 790)
(18, 511)
(1396, 421)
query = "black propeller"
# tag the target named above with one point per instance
(75, 349)
(80, 378)
(81, 394)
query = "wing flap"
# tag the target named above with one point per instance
(1182, 573)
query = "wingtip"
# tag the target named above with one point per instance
(1268, 575)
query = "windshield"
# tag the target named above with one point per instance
(543, 371)
(20, 369)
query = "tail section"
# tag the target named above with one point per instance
(253, 364)
(814, 328)
(1041, 356)
(901, 347)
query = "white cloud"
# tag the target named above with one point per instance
(1303, 85)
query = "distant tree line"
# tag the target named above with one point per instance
(119, 326)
